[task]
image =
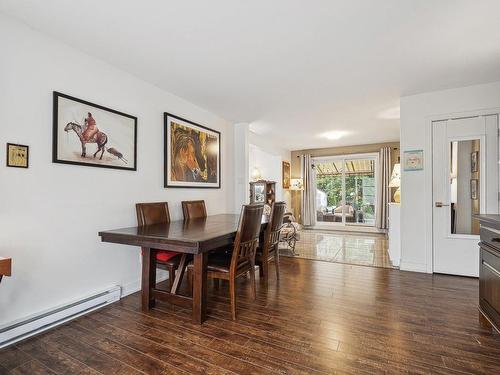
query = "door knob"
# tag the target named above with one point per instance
(440, 204)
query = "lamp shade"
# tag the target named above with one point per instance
(396, 176)
(256, 174)
(296, 184)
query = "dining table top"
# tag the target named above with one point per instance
(188, 236)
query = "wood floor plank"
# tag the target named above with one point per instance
(89, 355)
(321, 318)
(176, 354)
(12, 357)
(51, 357)
(32, 368)
(163, 332)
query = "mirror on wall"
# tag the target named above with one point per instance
(464, 186)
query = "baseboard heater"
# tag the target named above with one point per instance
(49, 319)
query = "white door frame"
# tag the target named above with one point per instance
(428, 170)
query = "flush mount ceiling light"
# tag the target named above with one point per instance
(334, 135)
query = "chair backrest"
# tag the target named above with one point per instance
(152, 213)
(247, 237)
(272, 234)
(194, 209)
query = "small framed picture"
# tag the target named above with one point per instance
(473, 161)
(17, 155)
(286, 175)
(413, 160)
(474, 188)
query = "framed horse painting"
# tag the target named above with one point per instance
(88, 134)
(192, 154)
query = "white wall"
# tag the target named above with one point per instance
(268, 156)
(241, 180)
(50, 213)
(416, 187)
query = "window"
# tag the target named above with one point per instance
(346, 189)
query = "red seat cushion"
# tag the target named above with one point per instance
(164, 255)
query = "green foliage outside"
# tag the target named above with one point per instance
(360, 191)
(332, 186)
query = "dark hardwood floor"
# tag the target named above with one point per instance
(322, 318)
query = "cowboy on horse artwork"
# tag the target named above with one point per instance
(92, 134)
(90, 128)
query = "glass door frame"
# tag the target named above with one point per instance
(361, 156)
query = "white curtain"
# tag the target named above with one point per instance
(308, 202)
(383, 189)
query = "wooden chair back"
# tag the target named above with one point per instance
(152, 213)
(194, 209)
(247, 238)
(272, 233)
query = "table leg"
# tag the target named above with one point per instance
(200, 288)
(179, 274)
(148, 277)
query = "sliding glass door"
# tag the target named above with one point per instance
(346, 190)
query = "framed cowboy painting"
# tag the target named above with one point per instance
(192, 154)
(89, 134)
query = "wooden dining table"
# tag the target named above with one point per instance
(195, 237)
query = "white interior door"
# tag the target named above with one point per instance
(465, 183)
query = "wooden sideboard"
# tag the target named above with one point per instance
(489, 269)
(5, 267)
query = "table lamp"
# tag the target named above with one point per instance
(296, 184)
(256, 175)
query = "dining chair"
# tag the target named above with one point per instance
(268, 248)
(232, 266)
(158, 213)
(194, 209)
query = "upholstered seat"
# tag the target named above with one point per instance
(156, 213)
(165, 256)
(220, 262)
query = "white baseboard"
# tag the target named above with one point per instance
(29, 326)
(44, 320)
(413, 266)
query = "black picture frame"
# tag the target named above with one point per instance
(166, 158)
(8, 164)
(56, 125)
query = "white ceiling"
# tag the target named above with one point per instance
(294, 69)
